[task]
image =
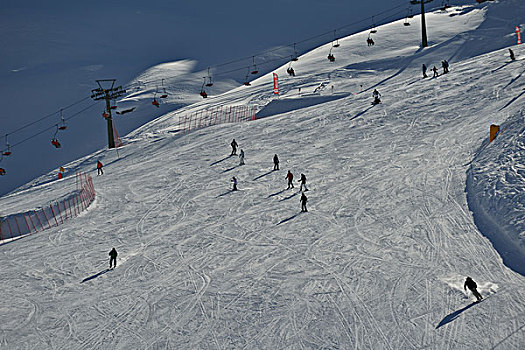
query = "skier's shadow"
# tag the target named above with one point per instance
(288, 219)
(263, 175)
(229, 169)
(219, 161)
(290, 196)
(497, 69)
(451, 317)
(225, 194)
(95, 275)
(362, 112)
(276, 193)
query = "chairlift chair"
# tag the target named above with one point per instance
(373, 29)
(336, 41)
(203, 93)
(2, 171)
(164, 94)
(8, 151)
(209, 83)
(254, 70)
(331, 57)
(294, 56)
(105, 115)
(406, 24)
(54, 140)
(63, 125)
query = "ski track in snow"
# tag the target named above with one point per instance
(202, 267)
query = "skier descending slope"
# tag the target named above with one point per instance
(470, 284)
(275, 162)
(376, 96)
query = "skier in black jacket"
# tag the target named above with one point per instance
(275, 162)
(113, 258)
(303, 201)
(470, 284)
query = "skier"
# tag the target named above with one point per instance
(234, 147)
(113, 258)
(303, 182)
(99, 168)
(303, 201)
(444, 64)
(435, 70)
(275, 162)
(376, 95)
(511, 53)
(289, 176)
(241, 158)
(424, 71)
(234, 180)
(2, 171)
(470, 284)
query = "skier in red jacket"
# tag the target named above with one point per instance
(289, 176)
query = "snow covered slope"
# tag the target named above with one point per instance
(379, 260)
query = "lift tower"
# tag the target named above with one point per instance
(108, 94)
(424, 42)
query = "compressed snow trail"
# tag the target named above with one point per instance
(378, 262)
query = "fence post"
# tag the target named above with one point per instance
(40, 222)
(9, 225)
(44, 212)
(60, 213)
(32, 223)
(27, 223)
(18, 226)
(52, 211)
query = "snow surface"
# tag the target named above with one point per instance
(379, 260)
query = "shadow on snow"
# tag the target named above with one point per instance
(95, 275)
(219, 161)
(263, 175)
(451, 317)
(288, 219)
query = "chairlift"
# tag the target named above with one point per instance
(255, 70)
(155, 102)
(246, 81)
(54, 140)
(63, 125)
(105, 115)
(336, 41)
(2, 172)
(8, 151)
(294, 56)
(203, 93)
(410, 15)
(373, 29)
(406, 23)
(444, 5)
(290, 70)
(209, 83)
(164, 93)
(331, 57)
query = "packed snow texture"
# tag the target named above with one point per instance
(378, 261)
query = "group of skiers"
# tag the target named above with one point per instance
(444, 65)
(289, 175)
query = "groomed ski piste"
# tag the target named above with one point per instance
(400, 195)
